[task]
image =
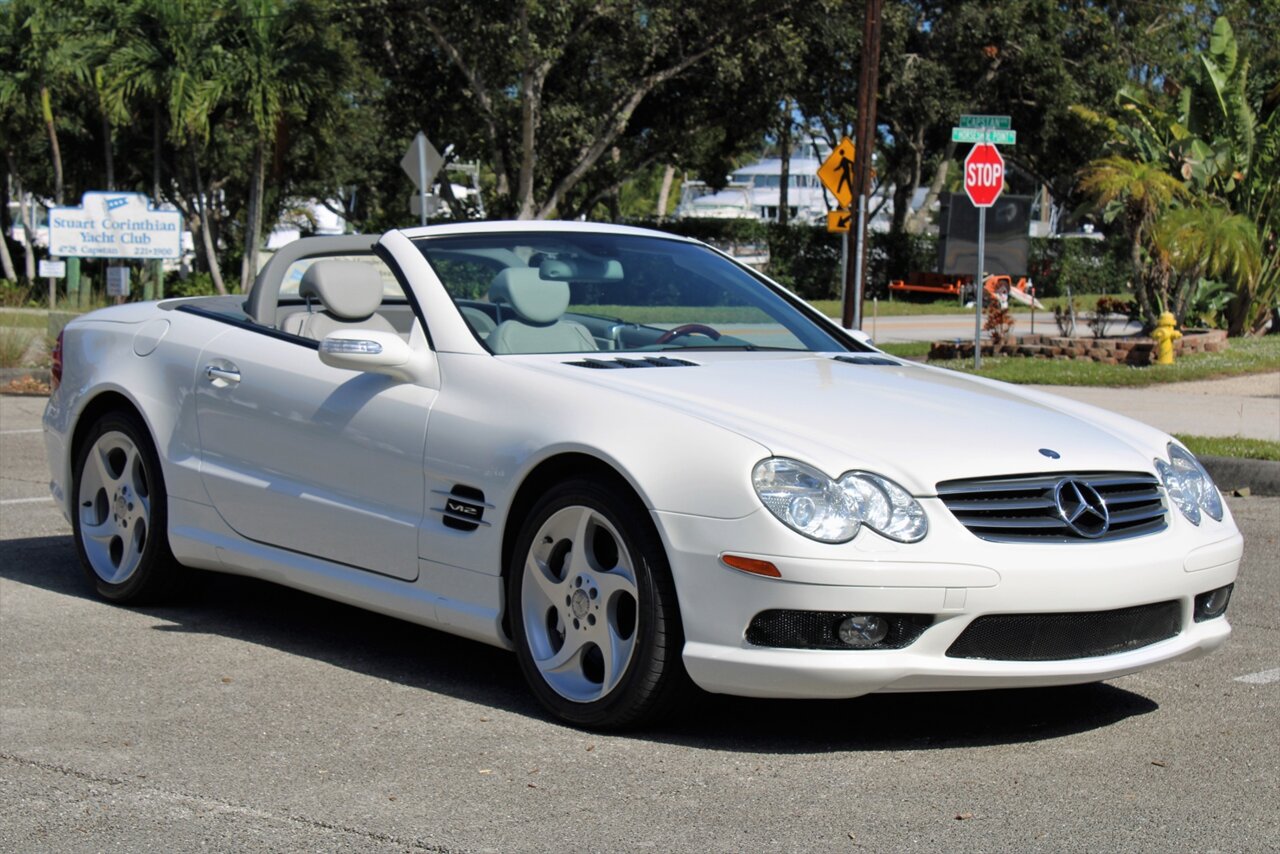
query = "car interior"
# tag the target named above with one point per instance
(526, 294)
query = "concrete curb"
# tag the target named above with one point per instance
(1260, 477)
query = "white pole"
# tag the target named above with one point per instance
(857, 262)
(421, 143)
(978, 289)
(844, 263)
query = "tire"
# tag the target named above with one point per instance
(593, 609)
(120, 519)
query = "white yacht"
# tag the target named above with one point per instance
(753, 193)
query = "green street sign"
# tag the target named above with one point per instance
(977, 135)
(996, 122)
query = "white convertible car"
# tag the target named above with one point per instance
(636, 463)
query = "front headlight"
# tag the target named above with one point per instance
(831, 511)
(1189, 486)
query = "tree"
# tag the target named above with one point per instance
(553, 110)
(1134, 195)
(1204, 132)
(284, 65)
(1195, 242)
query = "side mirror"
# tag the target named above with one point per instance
(376, 352)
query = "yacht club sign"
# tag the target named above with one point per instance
(114, 225)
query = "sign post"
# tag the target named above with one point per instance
(118, 283)
(837, 175)
(421, 162)
(983, 182)
(112, 225)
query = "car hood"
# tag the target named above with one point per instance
(917, 425)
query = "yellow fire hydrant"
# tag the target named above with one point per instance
(1164, 335)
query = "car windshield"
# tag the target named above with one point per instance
(545, 292)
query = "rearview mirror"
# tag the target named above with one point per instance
(376, 352)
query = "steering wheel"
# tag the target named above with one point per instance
(688, 329)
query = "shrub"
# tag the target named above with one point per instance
(1064, 315)
(1104, 314)
(1059, 266)
(998, 322)
(194, 285)
(14, 343)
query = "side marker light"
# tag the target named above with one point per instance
(751, 565)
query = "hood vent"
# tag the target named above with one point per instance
(868, 359)
(648, 362)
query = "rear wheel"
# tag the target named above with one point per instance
(120, 518)
(593, 609)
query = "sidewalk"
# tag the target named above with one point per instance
(1246, 406)
(1238, 406)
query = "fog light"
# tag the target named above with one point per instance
(1211, 605)
(863, 630)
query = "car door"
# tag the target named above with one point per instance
(314, 459)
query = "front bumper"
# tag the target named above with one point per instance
(954, 578)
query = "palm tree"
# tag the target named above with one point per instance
(1133, 194)
(285, 65)
(1206, 242)
(168, 62)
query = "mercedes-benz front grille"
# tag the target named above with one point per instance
(1058, 508)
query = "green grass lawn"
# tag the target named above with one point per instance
(1244, 356)
(1233, 446)
(906, 349)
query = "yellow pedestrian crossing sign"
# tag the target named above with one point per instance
(839, 221)
(836, 173)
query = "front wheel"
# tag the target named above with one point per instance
(120, 516)
(593, 609)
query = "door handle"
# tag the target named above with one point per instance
(225, 374)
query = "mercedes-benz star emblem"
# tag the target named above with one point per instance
(1082, 508)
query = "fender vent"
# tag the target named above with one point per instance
(463, 508)
(648, 362)
(868, 359)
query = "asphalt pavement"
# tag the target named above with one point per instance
(249, 716)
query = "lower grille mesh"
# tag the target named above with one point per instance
(1060, 637)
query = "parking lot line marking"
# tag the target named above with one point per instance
(16, 432)
(1262, 677)
(26, 500)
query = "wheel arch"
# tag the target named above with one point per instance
(105, 401)
(544, 476)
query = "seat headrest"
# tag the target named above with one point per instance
(534, 298)
(350, 290)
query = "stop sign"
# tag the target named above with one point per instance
(983, 175)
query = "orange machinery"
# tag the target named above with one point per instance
(941, 284)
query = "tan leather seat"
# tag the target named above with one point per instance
(349, 293)
(539, 305)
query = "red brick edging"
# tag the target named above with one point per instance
(1109, 351)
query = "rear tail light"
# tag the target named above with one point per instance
(55, 364)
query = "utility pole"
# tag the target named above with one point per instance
(864, 142)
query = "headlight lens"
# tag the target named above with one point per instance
(810, 502)
(1189, 486)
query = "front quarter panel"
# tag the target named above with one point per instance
(496, 421)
